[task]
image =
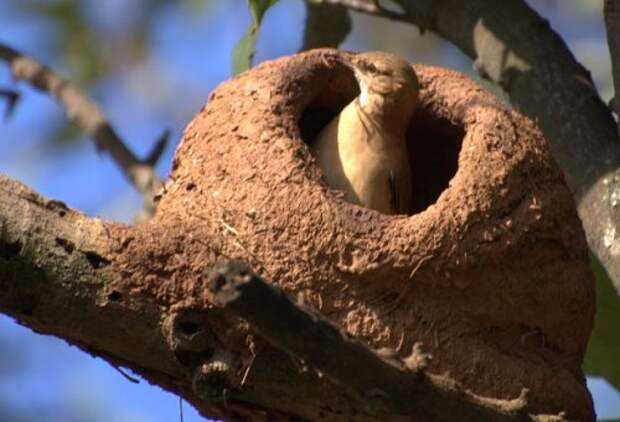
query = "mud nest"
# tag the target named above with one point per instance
(490, 272)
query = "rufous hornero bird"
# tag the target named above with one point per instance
(363, 151)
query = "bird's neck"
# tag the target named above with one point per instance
(391, 113)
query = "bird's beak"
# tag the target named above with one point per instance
(350, 60)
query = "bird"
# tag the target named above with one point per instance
(363, 151)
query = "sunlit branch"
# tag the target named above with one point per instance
(90, 118)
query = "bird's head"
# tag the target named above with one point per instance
(384, 77)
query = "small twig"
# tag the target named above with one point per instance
(408, 285)
(126, 375)
(246, 373)
(12, 97)
(369, 8)
(158, 148)
(89, 117)
(229, 228)
(388, 387)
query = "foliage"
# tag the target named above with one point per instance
(325, 25)
(243, 53)
(604, 348)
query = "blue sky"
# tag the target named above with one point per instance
(190, 53)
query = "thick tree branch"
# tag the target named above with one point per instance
(611, 12)
(89, 117)
(59, 275)
(53, 278)
(368, 7)
(390, 388)
(514, 47)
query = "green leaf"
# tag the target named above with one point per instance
(326, 26)
(602, 357)
(243, 54)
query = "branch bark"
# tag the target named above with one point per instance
(11, 97)
(611, 11)
(53, 279)
(56, 268)
(59, 276)
(390, 389)
(89, 117)
(515, 48)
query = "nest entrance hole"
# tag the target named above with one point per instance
(434, 141)
(434, 147)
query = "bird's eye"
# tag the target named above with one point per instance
(368, 67)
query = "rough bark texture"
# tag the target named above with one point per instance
(490, 273)
(54, 277)
(390, 387)
(611, 12)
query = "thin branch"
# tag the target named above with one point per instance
(158, 148)
(369, 8)
(11, 97)
(389, 387)
(515, 48)
(89, 117)
(611, 12)
(125, 375)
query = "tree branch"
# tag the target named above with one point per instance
(514, 47)
(53, 278)
(390, 388)
(56, 269)
(59, 275)
(611, 11)
(11, 97)
(89, 117)
(368, 7)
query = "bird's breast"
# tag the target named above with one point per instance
(359, 158)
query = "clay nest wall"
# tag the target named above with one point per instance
(490, 272)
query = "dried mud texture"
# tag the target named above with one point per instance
(490, 273)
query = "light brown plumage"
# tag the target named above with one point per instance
(363, 150)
